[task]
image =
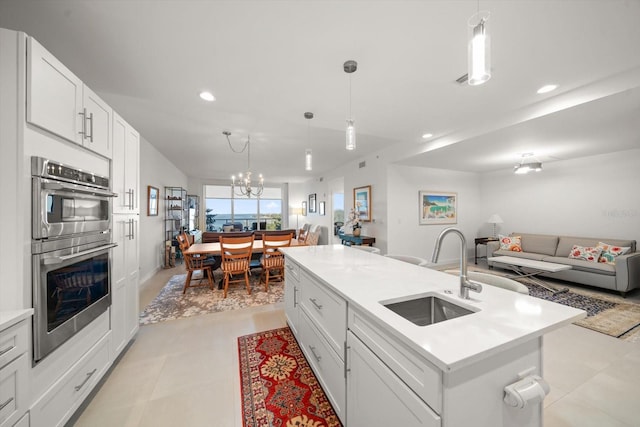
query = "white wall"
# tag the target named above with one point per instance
(595, 196)
(157, 171)
(405, 234)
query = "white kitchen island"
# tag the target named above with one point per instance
(379, 369)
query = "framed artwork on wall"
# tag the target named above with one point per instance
(304, 208)
(312, 203)
(152, 201)
(362, 202)
(321, 208)
(438, 207)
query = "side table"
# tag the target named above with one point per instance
(482, 241)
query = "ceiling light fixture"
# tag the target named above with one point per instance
(207, 96)
(547, 88)
(350, 67)
(307, 153)
(244, 182)
(479, 50)
(427, 135)
(527, 164)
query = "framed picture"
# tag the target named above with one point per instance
(312, 203)
(438, 207)
(304, 208)
(152, 201)
(321, 208)
(362, 202)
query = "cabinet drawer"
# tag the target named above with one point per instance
(327, 311)
(328, 367)
(292, 270)
(419, 374)
(13, 342)
(63, 398)
(13, 390)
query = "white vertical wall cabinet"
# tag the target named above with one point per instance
(124, 281)
(60, 103)
(125, 170)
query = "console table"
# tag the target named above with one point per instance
(357, 240)
(482, 241)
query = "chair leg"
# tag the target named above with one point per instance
(246, 279)
(210, 276)
(266, 282)
(226, 284)
(187, 281)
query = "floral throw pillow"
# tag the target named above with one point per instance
(610, 252)
(587, 253)
(511, 243)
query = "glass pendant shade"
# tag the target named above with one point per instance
(307, 160)
(351, 135)
(479, 60)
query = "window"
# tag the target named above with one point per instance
(224, 208)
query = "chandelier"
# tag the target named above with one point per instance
(243, 185)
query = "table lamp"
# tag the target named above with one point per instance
(495, 219)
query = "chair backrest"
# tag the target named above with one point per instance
(410, 259)
(271, 242)
(236, 249)
(193, 262)
(183, 241)
(367, 249)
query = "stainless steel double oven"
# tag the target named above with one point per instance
(71, 242)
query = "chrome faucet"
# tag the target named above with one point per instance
(465, 284)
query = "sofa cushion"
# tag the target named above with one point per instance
(510, 243)
(610, 252)
(582, 265)
(587, 253)
(526, 255)
(566, 243)
(539, 243)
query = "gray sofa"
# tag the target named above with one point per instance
(623, 276)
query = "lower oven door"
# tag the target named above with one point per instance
(71, 287)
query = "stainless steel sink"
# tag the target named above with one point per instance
(427, 310)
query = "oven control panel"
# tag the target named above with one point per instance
(47, 168)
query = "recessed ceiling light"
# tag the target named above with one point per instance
(207, 96)
(547, 88)
(427, 135)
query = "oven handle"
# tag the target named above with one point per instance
(77, 189)
(63, 258)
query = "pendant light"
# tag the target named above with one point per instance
(479, 51)
(350, 67)
(308, 153)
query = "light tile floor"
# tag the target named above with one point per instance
(185, 373)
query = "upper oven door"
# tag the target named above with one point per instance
(63, 209)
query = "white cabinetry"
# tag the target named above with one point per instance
(126, 154)
(14, 368)
(378, 397)
(59, 102)
(291, 292)
(124, 281)
(318, 318)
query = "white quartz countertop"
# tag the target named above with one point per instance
(502, 318)
(11, 317)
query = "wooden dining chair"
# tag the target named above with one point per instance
(272, 260)
(236, 259)
(194, 263)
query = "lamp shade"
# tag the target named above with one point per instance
(296, 211)
(495, 219)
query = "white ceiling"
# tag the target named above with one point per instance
(267, 62)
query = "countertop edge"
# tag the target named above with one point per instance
(9, 318)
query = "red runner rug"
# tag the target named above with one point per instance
(277, 385)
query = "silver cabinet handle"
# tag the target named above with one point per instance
(89, 374)
(3, 405)
(295, 297)
(91, 126)
(6, 350)
(83, 132)
(318, 306)
(313, 351)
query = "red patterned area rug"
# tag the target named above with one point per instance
(277, 385)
